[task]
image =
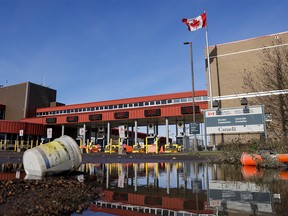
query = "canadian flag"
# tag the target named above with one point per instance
(195, 23)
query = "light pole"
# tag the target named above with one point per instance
(193, 93)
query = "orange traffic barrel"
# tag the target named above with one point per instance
(250, 159)
(283, 158)
(283, 175)
(249, 172)
(129, 149)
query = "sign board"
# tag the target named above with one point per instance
(49, 133)
(21, 133)
(121, 180)
(122, 131)
(150, 127)
(72, 118)
(152, 112)
(180, 124)
(190, 109)
(51, 120)
(235, 120)
(121, 115)
(81, 131)
(194, 128)
(95, 117)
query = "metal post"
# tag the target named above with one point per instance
(63, 129)
(84, 135)
(209, 69)
(167, 130)
(108, 136)
(136, 132)
(193, 93)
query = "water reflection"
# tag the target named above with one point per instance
(183, 188)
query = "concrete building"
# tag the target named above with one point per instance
(228, 62)
(21, 100)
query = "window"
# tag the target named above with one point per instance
(125, 105)
(176, 100)
(158, 102)
(163, 102)
(205, 98)
(120, 105)
(146, 103)
(152, 102)
(169, 101)
(136, 104)
(115, 106)
(183, 99)
(141, 103)
(130, 105)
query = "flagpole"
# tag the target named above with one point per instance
(209, 70)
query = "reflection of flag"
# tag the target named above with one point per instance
(195, 23)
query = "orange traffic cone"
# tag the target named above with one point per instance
(161, 149)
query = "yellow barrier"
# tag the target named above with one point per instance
(86, 147)
(16, 146)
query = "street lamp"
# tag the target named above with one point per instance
(193, 92)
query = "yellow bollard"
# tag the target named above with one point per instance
(21, 144)
(110, 150)
(88, 146)
(31, 146)
(146, 144)
(37, 142)
(1, 145)
(15, 145)
(157, 140)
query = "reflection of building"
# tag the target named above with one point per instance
(148, 188)
(240, 196)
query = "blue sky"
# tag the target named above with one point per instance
(94, 50)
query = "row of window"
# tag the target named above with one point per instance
(121, 106)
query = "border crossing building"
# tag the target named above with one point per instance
(33, 108)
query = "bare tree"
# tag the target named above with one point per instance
(271, 74)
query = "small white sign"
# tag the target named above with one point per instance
(49, 133)
(122, 131)
(21, 133)
(121, 179)
(82, 131)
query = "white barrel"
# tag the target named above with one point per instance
(62, 154)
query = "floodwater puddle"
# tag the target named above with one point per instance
(182, 188)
